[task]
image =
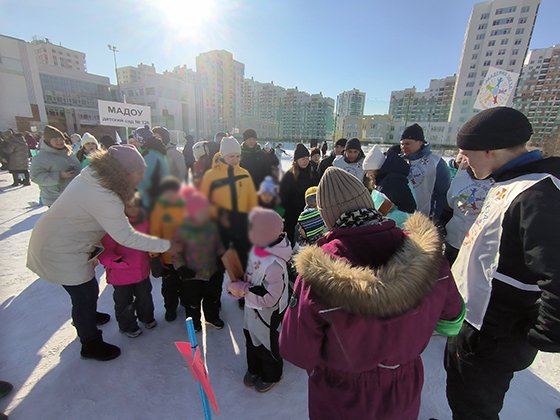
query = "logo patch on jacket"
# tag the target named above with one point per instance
(293, 301)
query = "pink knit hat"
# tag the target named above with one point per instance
(195, 203)
(129, 158)
(186, 191)
(265, 226)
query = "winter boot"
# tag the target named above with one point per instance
(151, 324)
(216, 323)
(5, 388)
(100, 350)
(170, 315)
(133, 333)
(262, 386)
(250, 379)
(102, 318)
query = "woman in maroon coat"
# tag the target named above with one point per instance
(365, 305)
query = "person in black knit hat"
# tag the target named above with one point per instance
(293, 186)
(428, 175)
(508, 268)
(328, 161)
(254, 158)
(352, 159)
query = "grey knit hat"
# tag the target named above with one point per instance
(340, 192)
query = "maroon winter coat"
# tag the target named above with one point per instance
(364, 308)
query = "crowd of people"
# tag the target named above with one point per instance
(347, 257)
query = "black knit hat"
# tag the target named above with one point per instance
(301, 151)
(341, 142)
(353, 144)
(413, 132)
(495, 128)
(247, 134)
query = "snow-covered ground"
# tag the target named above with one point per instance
(39, 354)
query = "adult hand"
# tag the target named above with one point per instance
(67, 174)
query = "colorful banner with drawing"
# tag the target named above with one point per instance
(497, 89)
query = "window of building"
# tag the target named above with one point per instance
(517, 42)
(514, 51)
(484, 16)
(504, 41)
(512, 62)
(499, 62)
(519, 31)
(470, 84)
(498, 32)
(474, 56)
(486, 63)
(476, 46)
(522, 20)
(482, 26)
(471, 75)
(468, 93)
(502, 52)
(525, 9)
(503, 21)
(488, 53)
(504, 10)
(480, 36)
(491, 43)
(484, 73)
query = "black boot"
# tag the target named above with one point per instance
(102, 318)
(100, 350)
(5, 388)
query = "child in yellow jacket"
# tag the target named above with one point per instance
(165, 219)
(231, 193)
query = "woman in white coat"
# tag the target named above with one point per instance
(64, 242)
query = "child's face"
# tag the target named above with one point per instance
(316, 158)
(371, 174)
(232, 159)
(170, 195)
(132, 210)
(90, 147)
(266, 198)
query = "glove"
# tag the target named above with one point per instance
(238, 289)
(185, 273)
(156, 267)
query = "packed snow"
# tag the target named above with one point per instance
(39, 354)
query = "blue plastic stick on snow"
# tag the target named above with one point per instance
(194, 345)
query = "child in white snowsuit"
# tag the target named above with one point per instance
(265, 289)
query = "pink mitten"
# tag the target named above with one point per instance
(238, 289)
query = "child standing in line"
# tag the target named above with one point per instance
(268, 195)
(196, 248)
(128, 270)
(310, 223)
(265, 289)
(166, 217)
(89, 145)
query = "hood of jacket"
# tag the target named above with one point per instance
(393, 164)
(47, 148)
(153, 143)
(389, 290)
(424, 151)
(549, 165)
(282, 250)
(110, 174)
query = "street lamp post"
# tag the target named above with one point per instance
(115, 51)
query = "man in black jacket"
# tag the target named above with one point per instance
(254, 159)
(508, 269)
(328, 161)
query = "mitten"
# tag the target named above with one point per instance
(238, 289)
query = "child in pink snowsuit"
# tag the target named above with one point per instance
(128, 270)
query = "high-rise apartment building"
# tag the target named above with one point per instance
(433, 104)
(538, 91)
(350, 102)
(319, 121)
(221, 87)
(51, 54)
(497, 35)
(262, 108)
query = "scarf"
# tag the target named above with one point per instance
(361, 217)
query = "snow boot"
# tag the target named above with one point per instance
(216, 323)
(151, 324)
(250, 379)
(102, 318)
(170, 315)
(5, 388)
(262, 386)
(100, 350)
(133, 333)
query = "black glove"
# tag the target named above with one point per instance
(156, 267)
(185, 273)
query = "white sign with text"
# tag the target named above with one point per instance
(118, 114)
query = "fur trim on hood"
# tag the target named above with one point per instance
(111, 174)
(390, 290)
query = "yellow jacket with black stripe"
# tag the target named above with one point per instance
(228, 188)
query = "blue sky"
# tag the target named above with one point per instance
(318, 46)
